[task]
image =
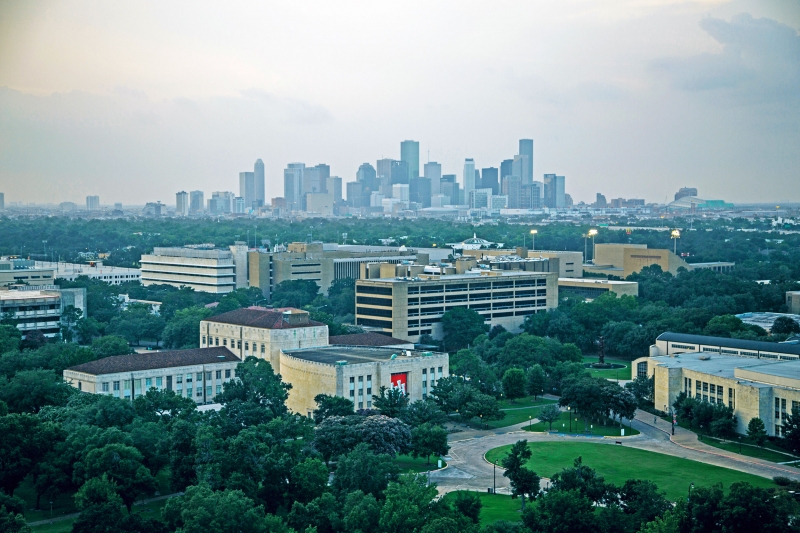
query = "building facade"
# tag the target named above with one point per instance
(204, 270)
(357, 372)
(197, 374)
(591, 288)
(262, 332)
(182, 204)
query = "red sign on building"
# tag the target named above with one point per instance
(400, 381)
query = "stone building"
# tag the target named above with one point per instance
(358, 372)
(197, 374)
(263, 332)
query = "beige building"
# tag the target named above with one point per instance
(570, 264)
(755, 379)
(197, 374)
(204, 270)
(411, 305)
(93, 270)
(319, 204)
(358, 372)
(793, 302)
(318, 262)
(16, 271)
(263, 333)
(622, 260)
(591, 288)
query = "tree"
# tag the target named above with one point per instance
(110, 345)
(641, 502)
(69, 317)
(181, 330)
(785, 325)
(30, 390)
(295, 293)
(536, 381)
(469, 504)
(791, 430)
(123, 466)
(451, 394)
(361, 513)
(428, 439)
(10, 338)
(309, 480)
(386, 435)
(408, 505)
(13, 522)
(86, 329)
(337, 435)
(756, 431)
(328, 406)
(97, 491)
(524, 482)
(561, 511)
(484, 407)
(363, 470)
(321, 515)
(390, 402)
(256, 396)
(138, 322)
(342, 295)
(422, 412)
(155, 405)
(201, 510)
(24, 441)
(461, 326)
(583, 479)
(549, 414)
(643, 389)
(514, 383)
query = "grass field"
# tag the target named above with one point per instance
(515, 413)
(614, 373)
(409, 465)
(749, 450)
(527, 401)
(563, 426)
(618, 464)
(496, 507)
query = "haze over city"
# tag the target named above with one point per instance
(136, 101)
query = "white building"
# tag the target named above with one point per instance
(93, 270)
(215, 271)
(33, 310)
(197, 374)
(182, 204)
(92, 203)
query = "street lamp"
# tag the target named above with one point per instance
(533, 239)
(530, 421)
(675, 235)
(592, 233)
(569, 413)
(691, 486)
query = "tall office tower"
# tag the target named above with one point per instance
(531, 196)
(526, 149)
(450, 189)
(293, 185)
(409, 154)
(554, 191)
(239, 205)
(489, 180)
(420, 191)
(368, 179)
(92, 203)
(2, 201)
(315, 179)
(384, 177)
(196, 202)
(260, 199)
(182, 204)
(334, 186)
(469, 177)
(506, 168)
(400, 191)
(247, 188)
(355, 194)
(480, 199)
(537, 195)
(512, 188)
(433, 171)
(117, 206)
(600, 201)
(399, 172)
(521, 167)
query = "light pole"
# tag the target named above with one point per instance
(494, 478)
(592, 233)
(569, 413)
(530, 421)
(675, 235)
(691, 486)
(533, 239)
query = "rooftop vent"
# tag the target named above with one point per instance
(341, 363)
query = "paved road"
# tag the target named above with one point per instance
(468, 470)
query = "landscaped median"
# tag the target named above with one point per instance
(617, 464)
(577, 427)
(516, 411)
(410, 465)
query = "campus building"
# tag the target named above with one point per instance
(17, 271)
(262, 333)
(570, 264)
(93, 270)
(591, 288)
(358, 372)
(405, 302)
(793, 302)
(197, 374)
(203, 269)
(39, 308)
(755, 379)
(622, 260)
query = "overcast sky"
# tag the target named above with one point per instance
(135, 101)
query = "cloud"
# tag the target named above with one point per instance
(759, 61)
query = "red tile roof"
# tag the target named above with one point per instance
(259, 318)
(152, 360)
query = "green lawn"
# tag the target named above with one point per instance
(614, 373)
(409, 465)
(515, 413)
(749, 450)
(496, 507)
(527, 401)
(563, 426)
(619, 463)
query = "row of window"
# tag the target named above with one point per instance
(360, 389)
(709, 392)
(214, 341)
(433, 379)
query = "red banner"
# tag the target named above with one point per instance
(400, 381)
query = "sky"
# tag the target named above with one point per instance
(135, 101)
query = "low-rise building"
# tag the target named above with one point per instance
(622, 260)
(793, 302)
(32, 310)
(204, 270)
(411, 305)
(765, 320)
(591, 288)
(755, 379)
(262, 332)
(92, 270)
(358, 372)
(197, 374)
(17, 271)
(570, 264)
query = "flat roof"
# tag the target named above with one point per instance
(330, 355)
(154, 360)
(496, 274)
(366, 339)
(726, 365)
(724, 342)
(27, 295)
(592, 281)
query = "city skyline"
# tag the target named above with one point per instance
(632, 103)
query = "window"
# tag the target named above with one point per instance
(641, 369)
(238, 344)
(225, 342)
(179, 378)
(219, 374)
(104, 387)
(204, 340)
(360, 382)
(246, 346)
(188, 378)
(369, 386)
(731, 398)
(159, 382)
(126, 384)
(263, 348)
(439, 373)
(352, 387)
(199, 392)
(188, 392)
(208, 376)
(219, 389)
(227, 373)
(217, 341)
(199, 376)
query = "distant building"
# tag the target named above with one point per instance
(92, 203)
(685, 191)
(469, 177)
(480, 199)
(450, 189)
(766, 320)
(320, 204)
(600, 202)
(693, 203)
(554, 191)
(355, 194)
(293, 186)
(570, 264)
(433, 171)
(112, 275)
(259, 199)
(247, 190)
(196, 202)
(506, 169)
(526, 150)
(334, 188)
(622, 260)
(420, 191)
(204, 270)
(512, 188)
(239, 205)
(153, 209)
(793, 302)
(221, 202)
(196, 374)
(490, 179)
(182, 204)
(2, 201)
(521, 167)
(409, 154)
(15, 271)
(33, 310)
(591, 288)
